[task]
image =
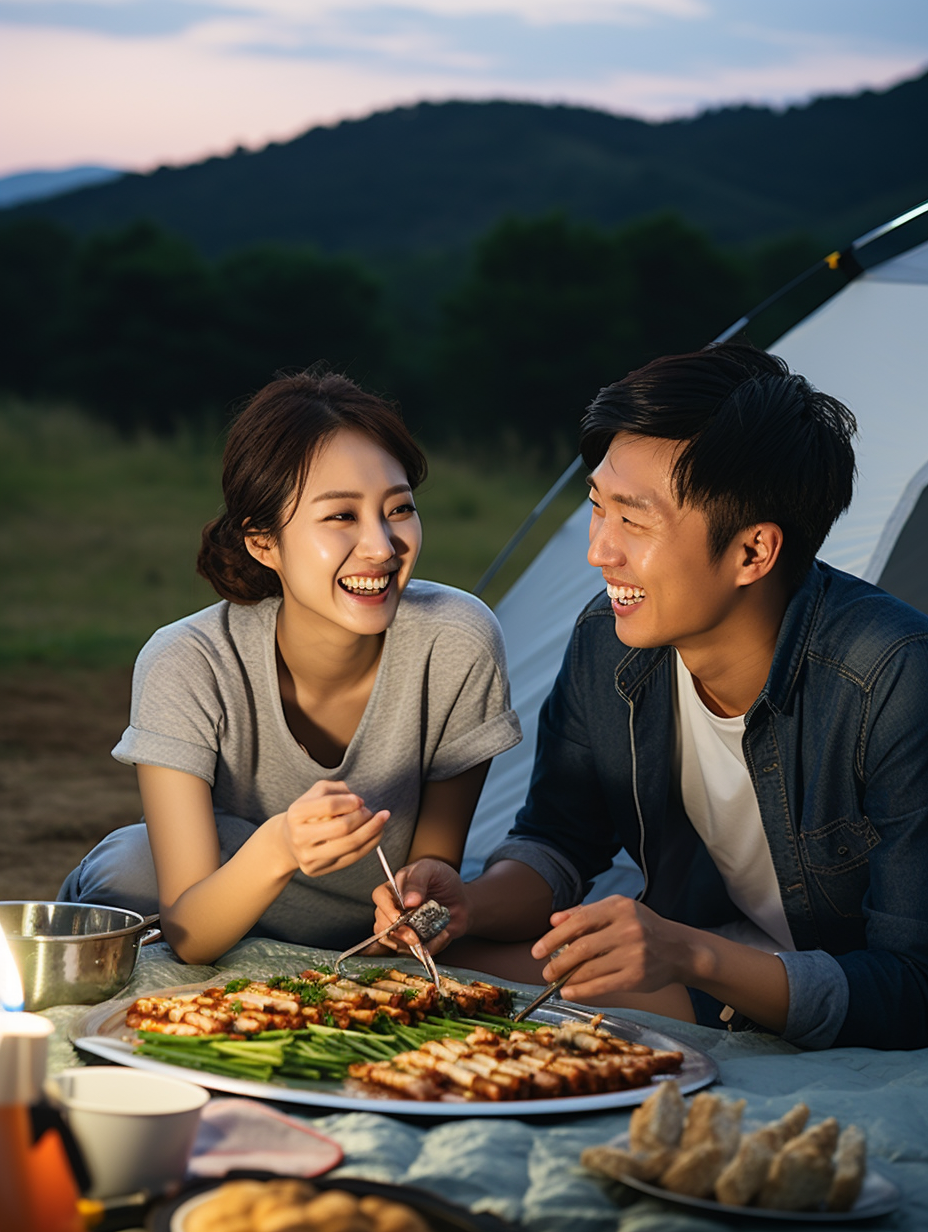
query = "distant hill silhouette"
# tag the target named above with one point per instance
(433, 177)
(36, 185)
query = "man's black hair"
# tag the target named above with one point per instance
(760, 444)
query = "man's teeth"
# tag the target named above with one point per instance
(365, 585)
(625, 595)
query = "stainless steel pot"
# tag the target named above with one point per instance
(73, 953)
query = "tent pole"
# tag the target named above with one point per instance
(527, 525)
(829, 262)
(848, 261)
(879, 232)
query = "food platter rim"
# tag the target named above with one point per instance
(85, 1034)
(884, 1197)
(172, 1214)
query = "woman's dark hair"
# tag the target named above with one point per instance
(267, 457)
(760, 444)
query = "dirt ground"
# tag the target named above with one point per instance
(60, 791)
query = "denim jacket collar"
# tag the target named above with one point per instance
(792, 643)
(634, 668)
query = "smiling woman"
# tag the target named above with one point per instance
(327, 704)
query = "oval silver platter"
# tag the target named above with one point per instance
(102, 1032)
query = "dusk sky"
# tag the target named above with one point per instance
(138, 83)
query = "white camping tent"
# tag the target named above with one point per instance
(867, 346)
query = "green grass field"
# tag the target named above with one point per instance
(101, 533)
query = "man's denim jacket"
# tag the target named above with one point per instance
(837, 748)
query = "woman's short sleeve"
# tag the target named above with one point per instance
(470, 719)
(177, 716)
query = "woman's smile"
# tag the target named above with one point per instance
(369, 588)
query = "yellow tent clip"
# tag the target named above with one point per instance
(832, 260)
(91, 1211)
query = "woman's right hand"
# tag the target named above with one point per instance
(329, 827)
(419, 882)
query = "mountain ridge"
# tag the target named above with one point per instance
(434, 176)
(36, 185)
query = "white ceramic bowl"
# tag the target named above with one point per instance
(136, 1130)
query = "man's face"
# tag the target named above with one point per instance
(654, 555)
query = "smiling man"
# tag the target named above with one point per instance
(745, 721)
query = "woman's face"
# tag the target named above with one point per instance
(348, 550)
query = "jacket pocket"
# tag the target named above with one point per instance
(837, 856)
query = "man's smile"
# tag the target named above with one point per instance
(626, 596)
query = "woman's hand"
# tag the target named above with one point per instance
(329, 828)
(419, 882)
(616, 945)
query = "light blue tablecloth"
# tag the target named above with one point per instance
(529, 1171)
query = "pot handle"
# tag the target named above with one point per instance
(153, 934)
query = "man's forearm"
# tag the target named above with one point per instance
(751, 981)
(509, 902)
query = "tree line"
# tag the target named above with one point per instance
(137, 327)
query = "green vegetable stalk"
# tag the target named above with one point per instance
(312, 1053)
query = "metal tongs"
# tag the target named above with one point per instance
(546, 993)
(426, 922)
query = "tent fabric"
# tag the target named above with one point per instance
(866, 346)
(537, 615)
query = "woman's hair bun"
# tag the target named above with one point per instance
(228, 566)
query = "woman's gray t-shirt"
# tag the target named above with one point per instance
(206, 700)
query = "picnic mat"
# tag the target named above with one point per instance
(528, 1171)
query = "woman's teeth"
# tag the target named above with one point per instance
(365, 585)
(627, 596)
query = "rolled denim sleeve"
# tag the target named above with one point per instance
(566, 884)
(567, 822)
(818, 998)
(888, 979)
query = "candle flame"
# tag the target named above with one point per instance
(11, 985)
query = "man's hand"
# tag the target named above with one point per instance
(417, 884)
(616, 945)
(329, 827)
